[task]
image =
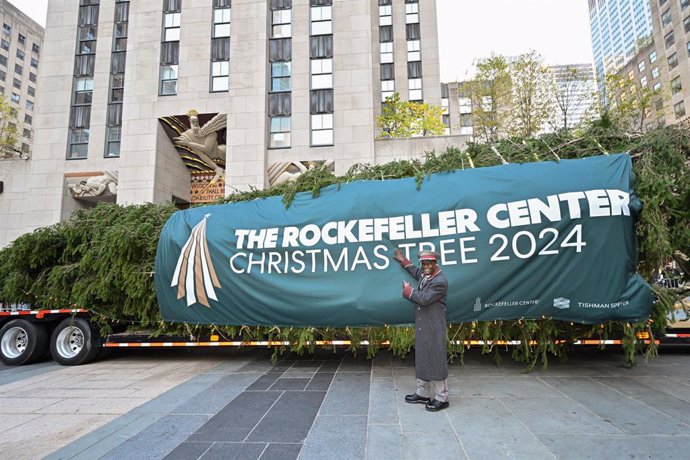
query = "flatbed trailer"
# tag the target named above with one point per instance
(71, 338)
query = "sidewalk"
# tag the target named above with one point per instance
(236, 404)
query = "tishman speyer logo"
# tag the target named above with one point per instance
(561, 303)
(194, 275)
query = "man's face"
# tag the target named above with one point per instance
(428, 266)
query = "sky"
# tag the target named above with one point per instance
(469, 29)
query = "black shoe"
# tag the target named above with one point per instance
(415, 398)
(436, 405)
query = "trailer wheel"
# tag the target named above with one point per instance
(74, 342)
(22, 342)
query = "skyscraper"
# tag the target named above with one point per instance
(619, 28)
(188, 100)
(21, 41)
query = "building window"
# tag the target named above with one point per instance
(221, 22)
(281, 73)
(321, 73)
(412, 13)
(15, 97)
(386, 52)
(5, 44)
(117, 87)
(220, 76)
(25, 147)
(27, 133)
(83, 91)
(279, 132)
(672, 61)
(114, 135)
(220, 46)
(35, 48)
(168, 80)
(28, 119)
(170, 47)
(18, 69)
(20, 55)
(641, 66)
(31, 91)
(676, 85)
(78, 143)
(32, 77)
(17, 83)
(655, 72)
(465, 105)
(643, 81)
(684, 4)
(415, 89)
(29, 106)
(322, 129)
(6, 30)
(686, 24)
(34, 63)
(21, 39)
(3, 75)
(171, 27)
(413, 51)
(657, 87)
(666, 18)
(669, 39)
(659, 104)
(321, 21)
(3, 60)
(281, 25)
(387, 89)
(385, 15)
(652, 57)
(679, 109)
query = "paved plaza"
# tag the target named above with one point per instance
(237, 404)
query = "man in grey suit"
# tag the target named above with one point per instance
(431, 334)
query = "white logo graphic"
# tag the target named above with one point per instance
(478, 304)
(194, 274)
(561, 303)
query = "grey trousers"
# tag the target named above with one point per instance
(440, 389)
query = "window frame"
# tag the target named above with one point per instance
(282, 130)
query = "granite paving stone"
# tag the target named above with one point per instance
(588, 407)
(348, 394)
(280, 423)
(158, 439)
(289, 384)
(329, 366)
(625, 413)
(557, 415)
(659, 400)
(670, 385)
(236, 420)
(382, 401)
(488, 429)
(188, 450)
(217, 396)
(234, 451)
(265, 381)
(384, 441)
(431, 447)
(281, 451)
(321, 381)
(592, 447)
(336, 437)
(496, 387)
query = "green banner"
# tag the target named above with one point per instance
(516, 241)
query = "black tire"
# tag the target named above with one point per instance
(74, 341)
(22, 342)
